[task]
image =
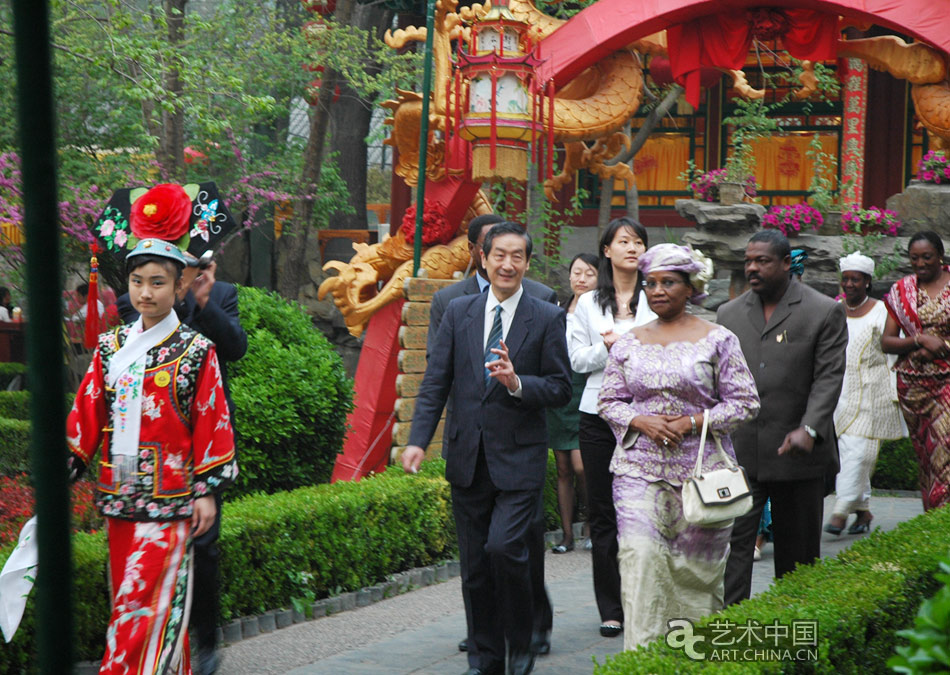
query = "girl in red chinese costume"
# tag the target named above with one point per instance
(153, 400)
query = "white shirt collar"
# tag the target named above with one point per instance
(508, 306)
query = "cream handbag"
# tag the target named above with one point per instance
(712, 498)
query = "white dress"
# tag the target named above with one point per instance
(867, 410)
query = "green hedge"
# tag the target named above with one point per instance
(8, 371)
(896, 467)
(345, 536)
(14, 446)
(292, 397)
(859, 599)
(15, 404)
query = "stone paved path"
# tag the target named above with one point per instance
(418, 632)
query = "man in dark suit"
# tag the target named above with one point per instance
(211, 308)
(478, 227)
(503, 357)
(794, 340)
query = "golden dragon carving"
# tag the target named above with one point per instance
(588, 114)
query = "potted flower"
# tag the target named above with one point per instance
(792, 219)
(705, 185)
(750, 121)
(934, 167)
(870, 221)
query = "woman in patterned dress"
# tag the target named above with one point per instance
(919, 306)
(660, 381)
(867, 411)
(154, 401)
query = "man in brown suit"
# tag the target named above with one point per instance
(794, 340)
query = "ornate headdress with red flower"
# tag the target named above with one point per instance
(162, 213)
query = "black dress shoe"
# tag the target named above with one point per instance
(520, 663)
(463, 645)
(541, 643)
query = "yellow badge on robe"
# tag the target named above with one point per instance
(162, 379)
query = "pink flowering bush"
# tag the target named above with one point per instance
(934, 167)
(706, 185)
(792, 219)
(869, 221)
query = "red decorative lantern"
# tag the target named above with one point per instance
(499, 103)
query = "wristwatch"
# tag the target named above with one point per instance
(811, 432)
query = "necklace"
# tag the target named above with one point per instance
(857, 306)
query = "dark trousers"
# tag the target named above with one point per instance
(597, 447)
(796, 530)
(204, 601)
(494, 530)
(543, 612)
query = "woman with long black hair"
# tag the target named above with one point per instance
(601, 317)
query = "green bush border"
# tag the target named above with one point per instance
(15, 405)
(14, 446)
(345, 536)
(897, 467)
(859, 598)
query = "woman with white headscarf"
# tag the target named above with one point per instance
(867, 411)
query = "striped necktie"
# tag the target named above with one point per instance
(494, 342)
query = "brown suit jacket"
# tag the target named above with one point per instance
(798, 363)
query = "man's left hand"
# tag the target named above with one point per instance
(797, 441)
(502, 369)
(201, 286)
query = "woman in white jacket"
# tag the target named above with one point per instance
(600, 318)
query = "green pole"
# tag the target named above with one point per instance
(423, 137)
(44, 334)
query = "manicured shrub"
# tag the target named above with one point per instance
(14, 446)
(292, 397)
(343, 536)
(15, 404)
(896, 467)
(860, 599)
(9, 371)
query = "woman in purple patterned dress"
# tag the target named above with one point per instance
(660, 380)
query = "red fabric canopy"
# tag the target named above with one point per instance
(723, 40)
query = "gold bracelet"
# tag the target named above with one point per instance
(917, 341)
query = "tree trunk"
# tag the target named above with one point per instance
(171, 153)
(291, 268)
(628, 155)
(633, 198)
(350, 119)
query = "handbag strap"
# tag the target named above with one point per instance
(698, 469)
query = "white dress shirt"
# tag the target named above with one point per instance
(508, 308)
(586, 342)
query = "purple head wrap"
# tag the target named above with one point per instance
(674, 258)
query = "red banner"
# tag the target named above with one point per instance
(853, 122)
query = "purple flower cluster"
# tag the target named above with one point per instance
(870, 221)
(792, 219)
(934, 167)
(75, 213)
(706, 186)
